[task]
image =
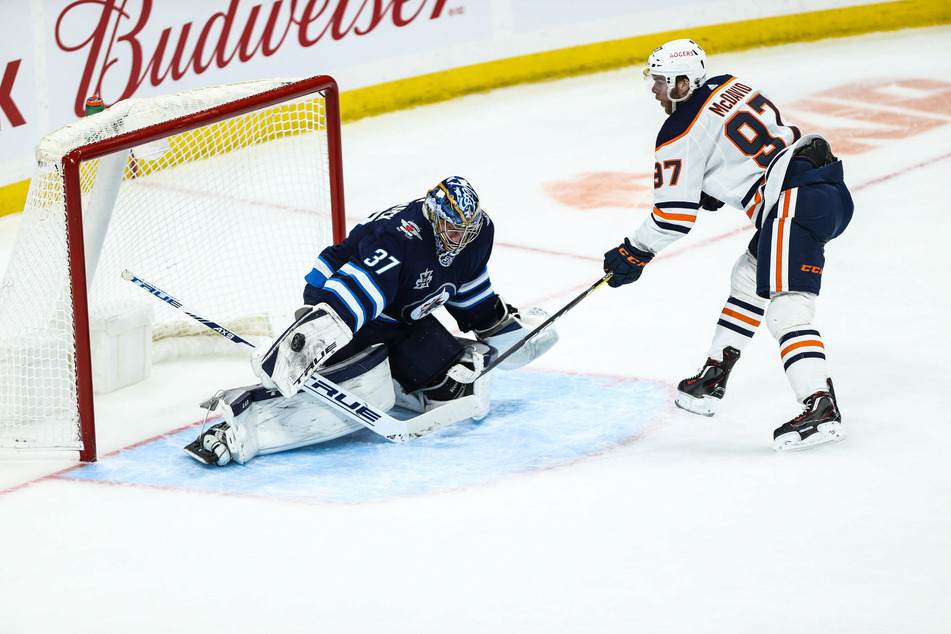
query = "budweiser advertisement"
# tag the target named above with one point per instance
(57, 57)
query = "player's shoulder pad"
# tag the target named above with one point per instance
(687, 112)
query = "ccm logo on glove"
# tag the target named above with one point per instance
(631, 258)
(625, 263)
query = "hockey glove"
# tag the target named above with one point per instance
(709, 203)
(301, 350)
(818, 151)
(511, 328)
(625, 263)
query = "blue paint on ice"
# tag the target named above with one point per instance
(538, 420)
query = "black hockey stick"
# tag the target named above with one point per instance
(349, 405)
(521, 342)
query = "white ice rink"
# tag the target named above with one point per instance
(681, 523)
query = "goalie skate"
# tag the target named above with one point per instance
(211, 446)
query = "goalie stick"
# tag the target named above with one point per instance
(464, 375)
(352, 407)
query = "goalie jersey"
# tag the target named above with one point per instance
(719, 142)
(390, 269)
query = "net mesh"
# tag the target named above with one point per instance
(228, 217)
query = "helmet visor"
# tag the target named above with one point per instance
(655, 83)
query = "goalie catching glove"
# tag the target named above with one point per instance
(512, 327)
(301, 350)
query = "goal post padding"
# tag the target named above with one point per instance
(224, 195)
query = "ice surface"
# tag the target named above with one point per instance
(532, 427)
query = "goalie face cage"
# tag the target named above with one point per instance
(223, 195)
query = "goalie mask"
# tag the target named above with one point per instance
(453, 208)
(675, 59)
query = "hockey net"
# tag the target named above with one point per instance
(223, 196)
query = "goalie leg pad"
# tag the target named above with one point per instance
(446, 388)
(511, 328)
(259, 421)
(301, 350)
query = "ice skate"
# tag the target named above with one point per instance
(211, 447)
(819, 424)
(701, 393)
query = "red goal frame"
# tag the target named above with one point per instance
(74, 225)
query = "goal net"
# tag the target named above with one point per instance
(223, 196)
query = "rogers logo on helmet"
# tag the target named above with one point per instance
(683, 54)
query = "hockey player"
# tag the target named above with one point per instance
(725, 142)
(367, 325)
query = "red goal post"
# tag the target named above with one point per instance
(224, 195)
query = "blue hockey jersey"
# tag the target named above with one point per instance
(390, 268)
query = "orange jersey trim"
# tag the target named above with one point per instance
(666, 215)
(756, 201)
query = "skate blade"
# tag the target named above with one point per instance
(793, 443)
(704, 406)
(199, 453)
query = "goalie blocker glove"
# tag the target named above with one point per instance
(512, 327)
(625, 263)
(301, 350)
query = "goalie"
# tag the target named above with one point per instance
(367, 324)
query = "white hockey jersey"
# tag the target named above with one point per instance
(718, 142)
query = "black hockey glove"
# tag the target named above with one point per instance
(626, 263)
(818, 151)
(708, 202)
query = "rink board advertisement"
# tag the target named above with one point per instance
(55, 53)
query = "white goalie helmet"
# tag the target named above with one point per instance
(678, 58)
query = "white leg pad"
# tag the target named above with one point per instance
(418, 401)
(264, 422)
